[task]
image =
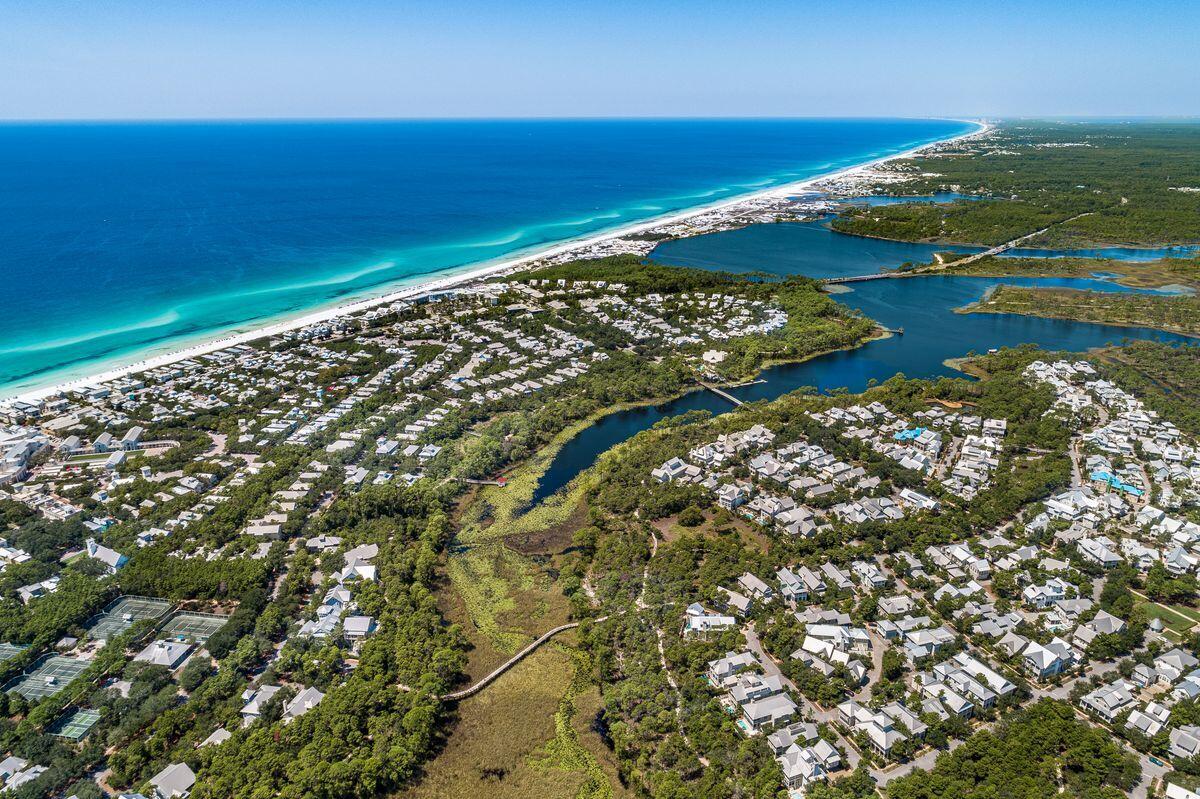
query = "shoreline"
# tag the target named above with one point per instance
(469, 275)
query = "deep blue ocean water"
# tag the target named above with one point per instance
(118, 241)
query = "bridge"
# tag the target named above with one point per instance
(831, 281)
(720, 393)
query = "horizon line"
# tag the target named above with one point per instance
(977, 118)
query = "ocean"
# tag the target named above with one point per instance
(119, 241)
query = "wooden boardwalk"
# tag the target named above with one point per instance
(471, 690)
(721, 393)
(484, 682)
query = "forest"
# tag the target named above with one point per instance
(1093, 184)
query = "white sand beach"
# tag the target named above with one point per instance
(465, 276)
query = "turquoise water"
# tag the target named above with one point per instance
(119, 241)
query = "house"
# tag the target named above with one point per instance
(802, 765)
(731, 496)
(1184, 742)
(16, 771)
(721, 669)
(802, 733)
(171, 654)
(358, 628)
(255, 701)
(839, 578)
(111, 559)
(1143, 676)
(1053, 658)
(812, 581)
(218, 737)
(1175, 791)
(1103, 623)
(28, 593)
(791, 587)
(1098, 552)
(755, 587)
(303, 702)
(736, 602)
(771, 710)
(879, 728)
(1150, 721)
(173, 782)
(1041, 597)
(1109, 701)
(699, 621)
(132, 439)
(1172, 665)
(673, 469)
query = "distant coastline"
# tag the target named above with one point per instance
(416, 286)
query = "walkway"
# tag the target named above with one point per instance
(720, 393)
(662, 653)
(471, 690)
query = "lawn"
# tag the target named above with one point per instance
(1178, 620)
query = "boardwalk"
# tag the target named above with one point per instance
(720, 393)
(474, 688)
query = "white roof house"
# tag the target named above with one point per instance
(174, 782)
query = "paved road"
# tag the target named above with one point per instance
(820, 714)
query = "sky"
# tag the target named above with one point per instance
(126, 59)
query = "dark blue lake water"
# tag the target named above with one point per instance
(924, 307)
(813, 249)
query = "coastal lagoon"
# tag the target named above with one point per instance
(122, 241)
(923, 306)
(814, 249)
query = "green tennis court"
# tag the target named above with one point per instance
(124, 612)
(194, 627)
(9, 651)
(77, 725)
(49, 676)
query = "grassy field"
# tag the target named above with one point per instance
(528, 735)
(1178, 620)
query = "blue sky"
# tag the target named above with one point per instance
(357, 58)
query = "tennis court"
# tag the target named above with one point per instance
(77, 725)
(9, 651)
(194, 627)
(49, 676)
(124, 612)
